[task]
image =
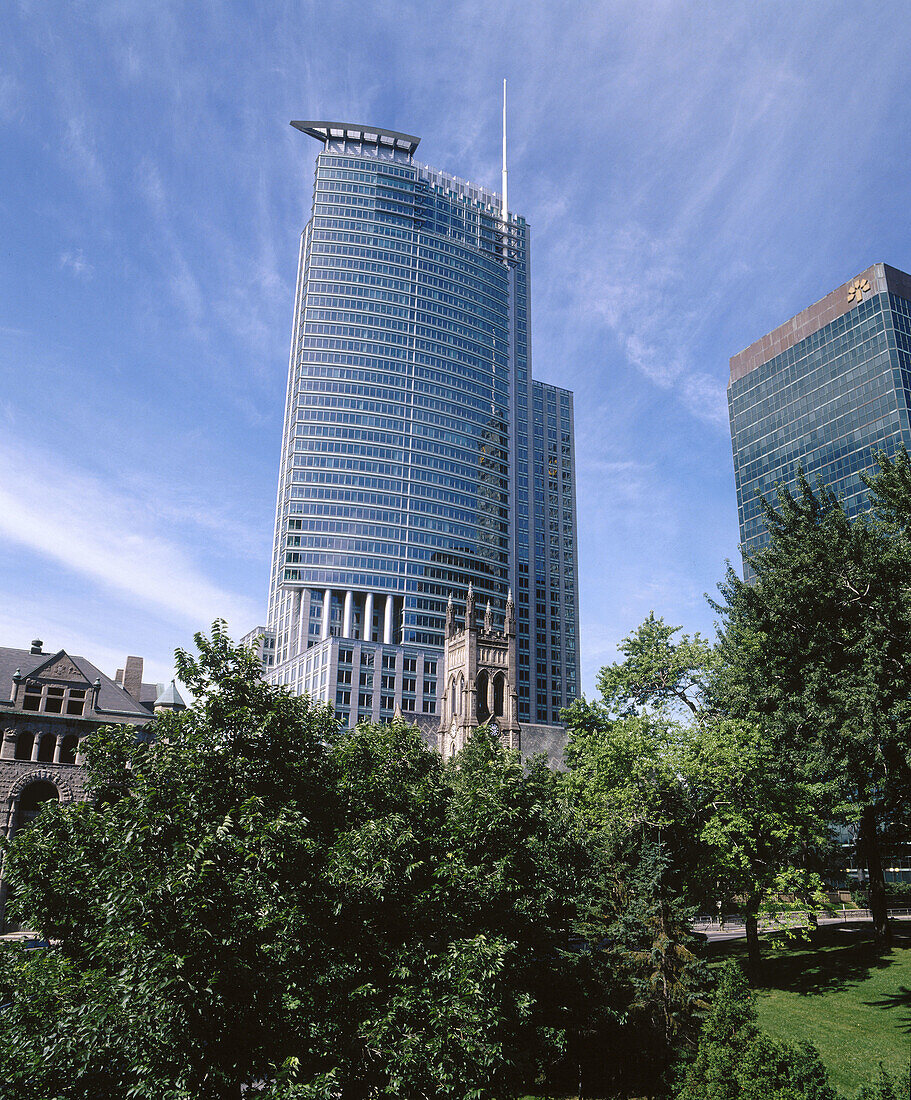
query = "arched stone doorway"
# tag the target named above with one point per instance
(32, 798)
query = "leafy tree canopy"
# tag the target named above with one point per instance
(258, 897)
(814, 651)
(734, 822)
(659, 672)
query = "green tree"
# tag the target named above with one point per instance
(659, 672)
(623, 776)
(624, 750)
(755, 822)
(256, 896)
(734, 822)
(814, 652)
(890, 492)
(624, 773)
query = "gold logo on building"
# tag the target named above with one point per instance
(858, 289)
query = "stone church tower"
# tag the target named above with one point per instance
(479, 678)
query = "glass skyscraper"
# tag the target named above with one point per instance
(418, 454)
(826, 389)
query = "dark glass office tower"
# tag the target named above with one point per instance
(411, 439)
(552, 631)
(826, 389)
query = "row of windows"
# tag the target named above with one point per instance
(48, 748)
(365, 324)
(472, 398)
(484, 460)
(437, 257)
(327, 419)
(54, 699)
(476, 283)
(813, 403)
(367, 300)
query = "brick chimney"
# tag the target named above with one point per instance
(132, 677)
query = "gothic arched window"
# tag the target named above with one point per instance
(483, 709)
(499, 695)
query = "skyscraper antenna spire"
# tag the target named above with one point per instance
(505, 212)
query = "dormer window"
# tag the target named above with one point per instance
(32, 700)
(75, 704)
(54, 699)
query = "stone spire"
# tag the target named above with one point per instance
(469, 607)
(488, 620)
(450, 617)
(170, 699)
(509, 625)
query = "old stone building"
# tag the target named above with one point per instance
(49, 704)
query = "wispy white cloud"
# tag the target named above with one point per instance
(181, 508)
(58, 628)
(683, 163)
(74, 519)
(80, 151)
(183, 283)
(74, 261)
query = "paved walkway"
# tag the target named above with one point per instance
(733, 928)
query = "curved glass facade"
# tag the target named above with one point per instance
(406, 441)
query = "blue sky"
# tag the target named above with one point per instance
(694, 174)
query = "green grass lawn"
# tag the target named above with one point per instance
(840, 993)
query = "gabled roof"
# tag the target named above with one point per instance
(148, 693)
(113, 703)
(58, 666)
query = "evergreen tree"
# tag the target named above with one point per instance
(884, 1089)
(735, 1061)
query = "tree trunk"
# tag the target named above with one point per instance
(876, 880)
(753, 948)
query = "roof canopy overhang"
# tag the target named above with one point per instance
(352, 131)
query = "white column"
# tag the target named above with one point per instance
(327, 610)
(349, 607)
(36, 744)
(387, 620)
(57, 749)
(367, 621)
(302, 621)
